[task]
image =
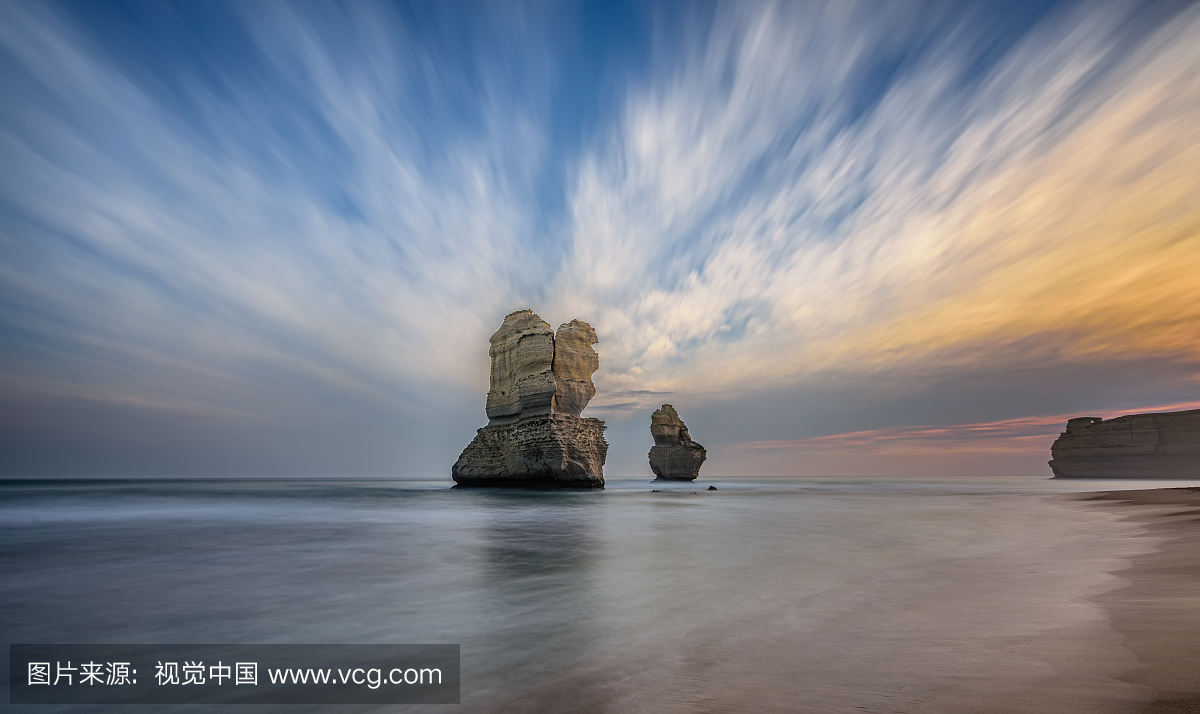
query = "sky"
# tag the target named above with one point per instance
(272, 239)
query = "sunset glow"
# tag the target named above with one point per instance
(276, 239)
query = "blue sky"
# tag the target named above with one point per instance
(272, 239)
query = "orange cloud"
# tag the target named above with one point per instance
(1061, 223)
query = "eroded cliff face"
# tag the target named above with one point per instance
(540, 383)
(546, 450)
(1159, 446)
(574, 364)
(674, 455)
(522, 380)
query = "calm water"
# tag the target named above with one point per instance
(805, 595)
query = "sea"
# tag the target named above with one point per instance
(799, 595)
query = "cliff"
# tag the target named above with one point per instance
(674, 455)
(540, 383)
(1154, 446)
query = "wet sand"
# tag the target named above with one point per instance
(1158, 613)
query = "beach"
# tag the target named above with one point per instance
(787, 595)
(1158, 612)
(819, 357)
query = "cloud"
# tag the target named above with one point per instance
(1018, 446)
(193, 260)
(309, 218)
(743, 227)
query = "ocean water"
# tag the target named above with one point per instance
(835, 595)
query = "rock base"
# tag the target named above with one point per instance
(1154, 446)
(549, 450)
(680, 462)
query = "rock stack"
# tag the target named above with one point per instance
(540, 383)
(674, 455)
(1158, 446)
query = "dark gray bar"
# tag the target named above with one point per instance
(233, 674)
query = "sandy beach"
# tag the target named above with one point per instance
(1158, 613)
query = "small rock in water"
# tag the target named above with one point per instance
(712, 488)
(674, 455)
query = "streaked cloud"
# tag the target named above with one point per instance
(310, 217)
(741, 229)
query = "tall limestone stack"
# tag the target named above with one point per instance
(1158, 446)
(522, 379)
(540, 383)
(674, 455)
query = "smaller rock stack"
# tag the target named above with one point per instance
(674, 455)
